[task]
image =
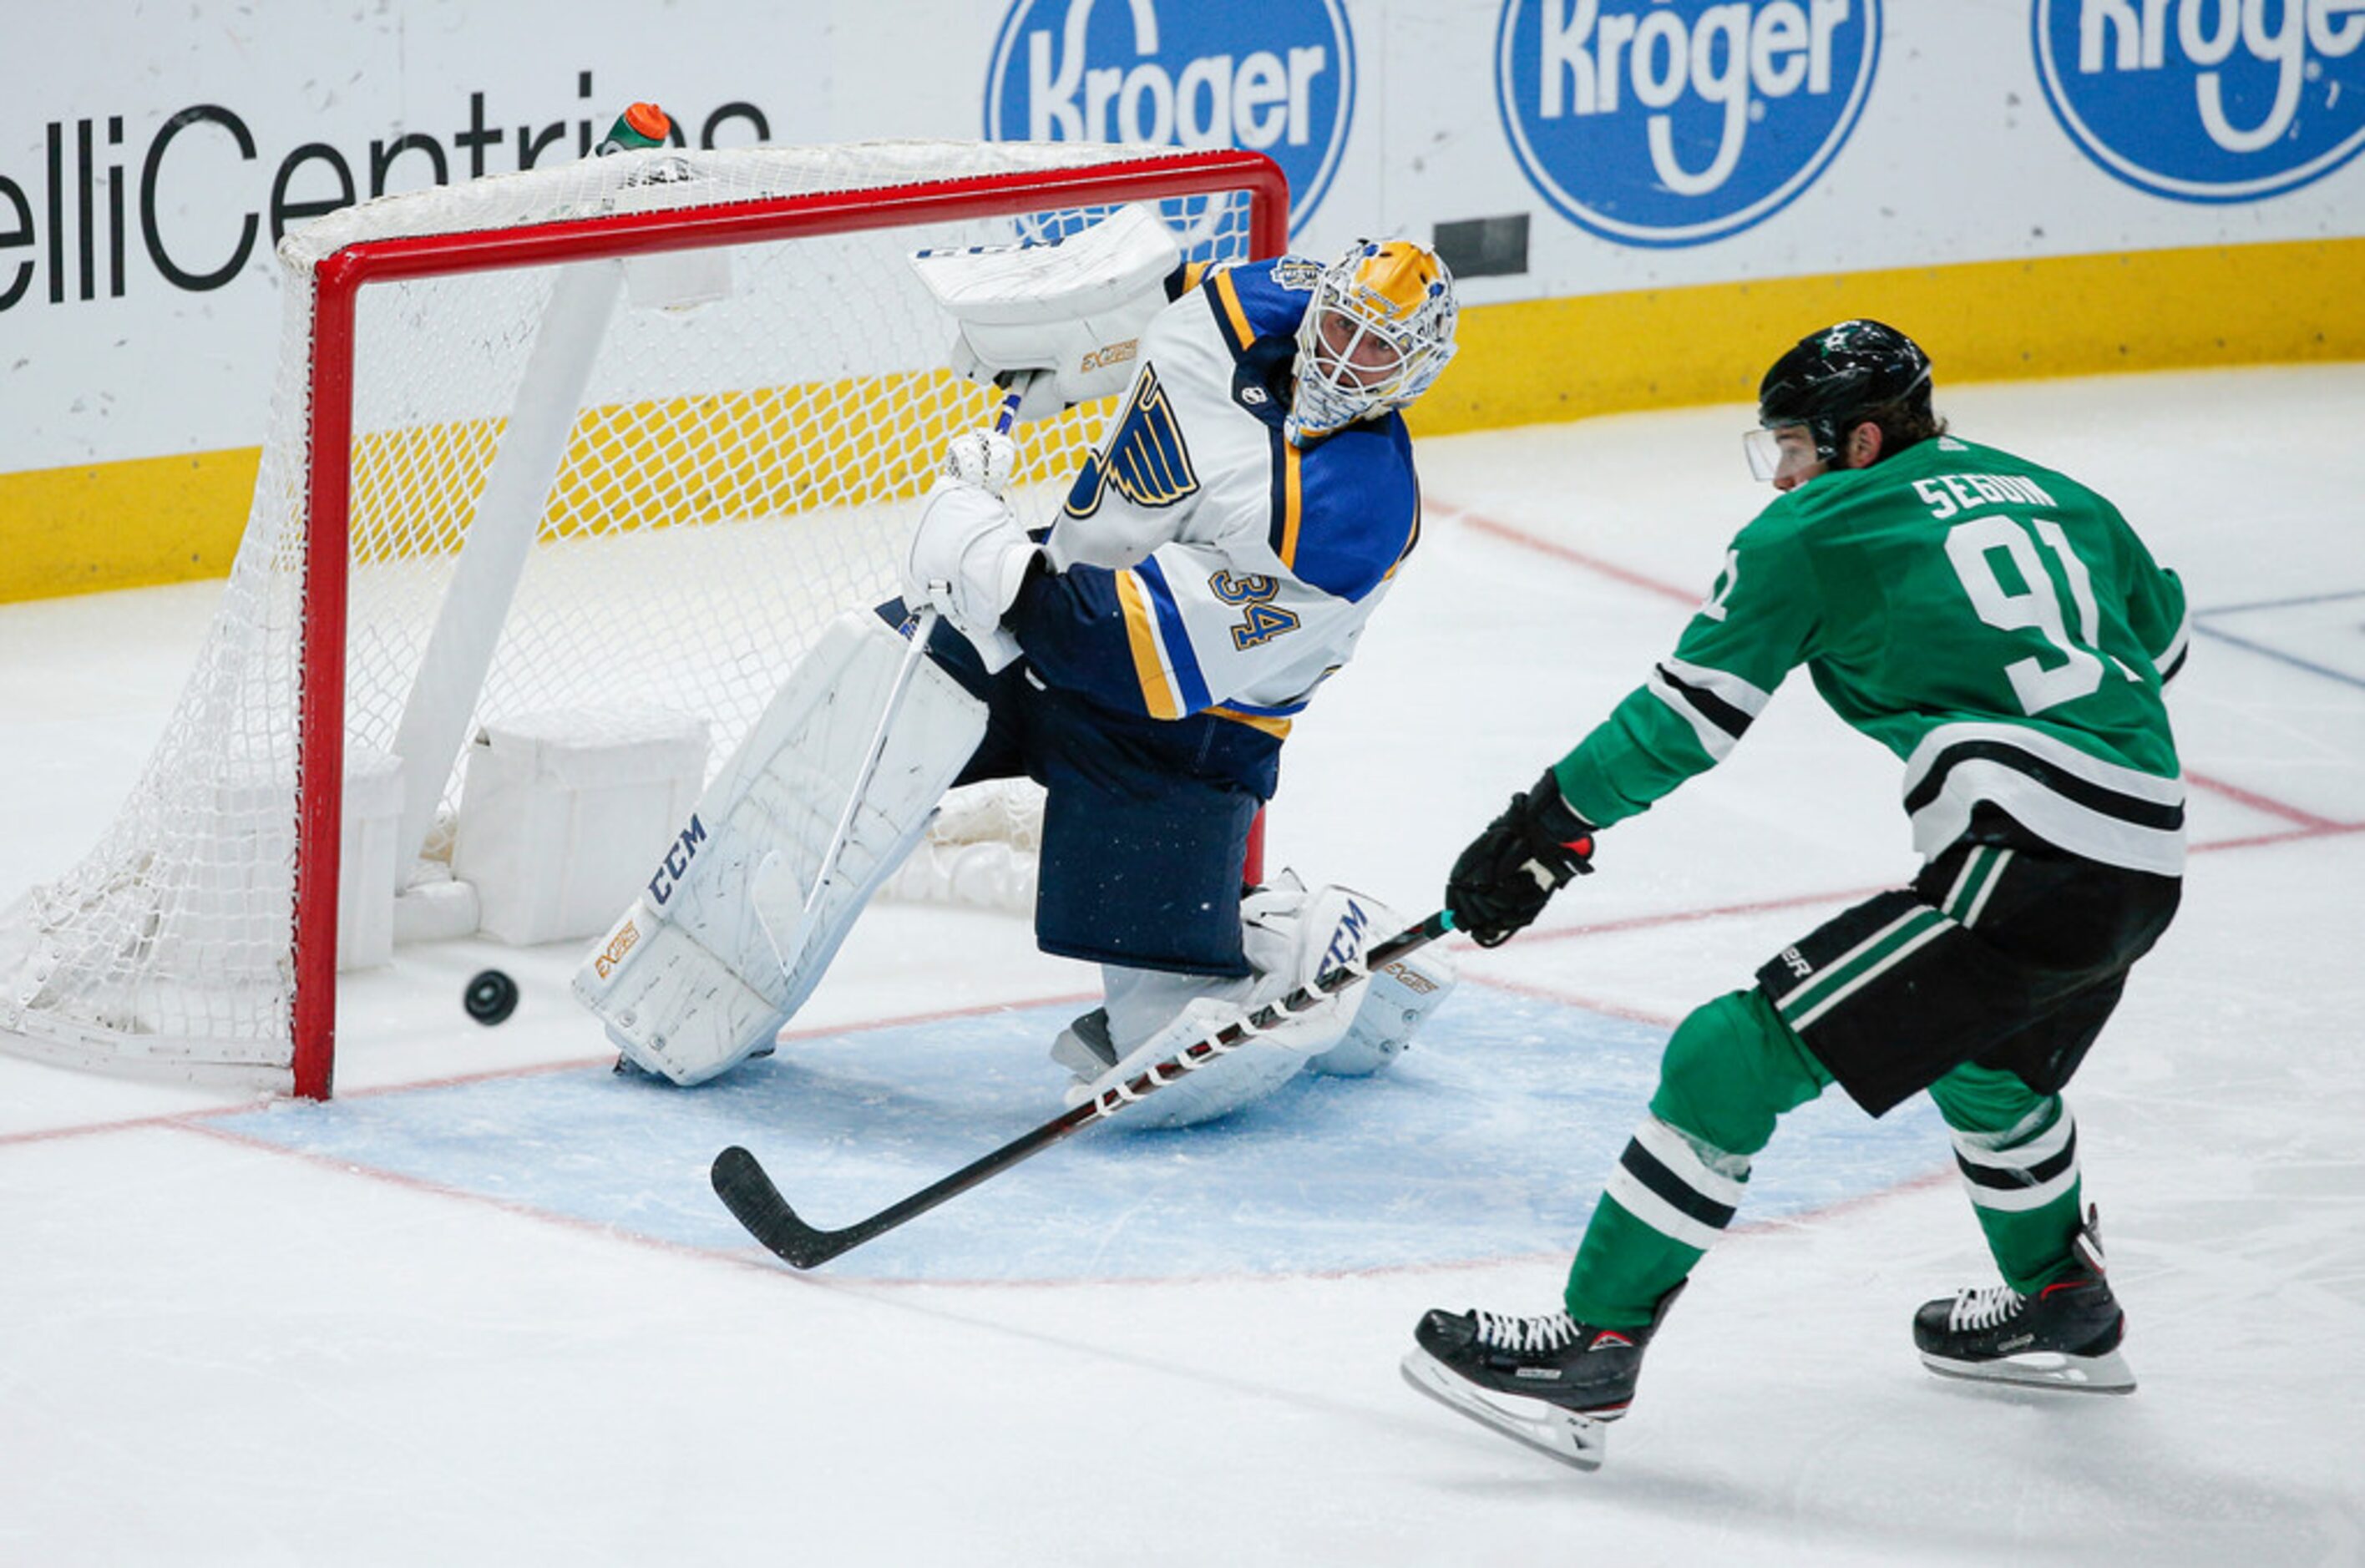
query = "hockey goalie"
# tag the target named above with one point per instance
(1216, 559)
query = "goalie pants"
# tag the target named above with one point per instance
(1145, 821)
(1985, 983)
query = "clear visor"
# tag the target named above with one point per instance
(1768, 447)
(1758, 445)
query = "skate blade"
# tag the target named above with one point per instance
(1572, 1438)
(2105, 1374)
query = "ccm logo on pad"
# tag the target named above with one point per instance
(675, 864)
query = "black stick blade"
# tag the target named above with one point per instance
(755, 1202)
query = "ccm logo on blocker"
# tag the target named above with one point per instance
(2207, 100)
(1274, 76)
(1652, 123)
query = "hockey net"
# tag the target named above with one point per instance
(615, 438)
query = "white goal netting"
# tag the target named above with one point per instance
(630, 482)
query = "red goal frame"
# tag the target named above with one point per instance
(338, 280)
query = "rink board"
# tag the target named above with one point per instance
(1489, 1139)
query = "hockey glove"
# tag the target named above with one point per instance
(983, 458)
(968, 558)
(1510, 871)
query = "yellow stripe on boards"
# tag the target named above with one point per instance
(96, 526)
(1550, 360)
(88, 527)
(1157, 697)
(770, 452)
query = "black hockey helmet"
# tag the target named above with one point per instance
(1832, 380)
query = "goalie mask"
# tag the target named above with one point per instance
(1833, 380)
(1377, 332)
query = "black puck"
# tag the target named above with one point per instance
(490, 997)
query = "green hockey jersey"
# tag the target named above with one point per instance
(1995, 624)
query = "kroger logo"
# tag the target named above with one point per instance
(2207, 100)
(1274, 76)
(1674, 122)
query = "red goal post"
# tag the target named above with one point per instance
(403, 494)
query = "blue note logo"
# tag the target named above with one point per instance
(1273, 76)
(2207, 100)
(1678, 122)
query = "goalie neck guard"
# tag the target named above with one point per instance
(1378, 332)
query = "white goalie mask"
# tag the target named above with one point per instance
(1377, 332)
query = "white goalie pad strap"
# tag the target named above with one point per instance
(1076, 308)
(733, 885)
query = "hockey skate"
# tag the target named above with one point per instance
(1551, 1381)
(2066, 1335)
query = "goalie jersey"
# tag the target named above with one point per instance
(1202, 564)
(1996, 625)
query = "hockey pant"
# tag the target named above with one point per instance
(1984, 983)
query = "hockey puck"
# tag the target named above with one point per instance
(490, 997)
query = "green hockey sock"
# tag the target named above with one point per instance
(2017, 1151)
(1730, 1070)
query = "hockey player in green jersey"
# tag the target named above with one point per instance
(2001, 629)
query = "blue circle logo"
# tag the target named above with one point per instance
(2207, 100)
(1272, 77)
(1678, 122)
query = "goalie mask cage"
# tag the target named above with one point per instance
(616, 437)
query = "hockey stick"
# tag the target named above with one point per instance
(749, 1194)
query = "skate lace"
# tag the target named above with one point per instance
(1985, 1307)
(1525, 1334)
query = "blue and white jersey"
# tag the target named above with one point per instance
(1202, 564)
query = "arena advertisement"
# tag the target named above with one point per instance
(2208, 103)
(1556, 151)
(1657, 127)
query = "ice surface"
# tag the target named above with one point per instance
(480, 1309)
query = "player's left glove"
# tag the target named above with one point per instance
(1510, 871)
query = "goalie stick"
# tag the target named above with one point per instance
(745, 1189)
(1014, 386)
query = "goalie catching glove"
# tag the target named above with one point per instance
(1510, 871)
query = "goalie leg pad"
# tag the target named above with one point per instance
(1292, 938)
(1245, 1074)
(1397, 1001)
(733, 887)
(1300, 933)
(672, 1007)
